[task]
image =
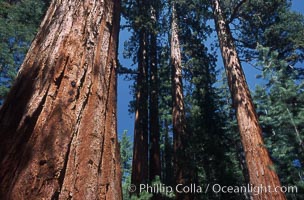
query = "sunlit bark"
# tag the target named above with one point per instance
(58, 125)
(178, 112)
(260, 167)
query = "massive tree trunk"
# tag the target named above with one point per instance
(155, 168)
(260, 166)
(140, 149)
(178, 112)
(58, 125)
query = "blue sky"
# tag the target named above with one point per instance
(298, 5)
(126, 120)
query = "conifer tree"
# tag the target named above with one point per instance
(154, 129)
(137, 48)
(260, 166)
(280, 107)
(58, 123)
(126, 148)
(264, 23)
(178, 111)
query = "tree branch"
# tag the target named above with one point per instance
(235, 11)
(125, 70)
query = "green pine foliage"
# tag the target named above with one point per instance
(18, 26)
(212, 153)
(281, 111)
(126, 151)
(266, 22)
(125, 155)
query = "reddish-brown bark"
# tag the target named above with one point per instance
(58, 124)
(140, 148)
(178, 111)
(154, 168)
(260, 166)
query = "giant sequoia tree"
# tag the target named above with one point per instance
(178, 110)
(58, 123)
(260, 167)
(155, 168)
(140, 151)
(146, 154)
